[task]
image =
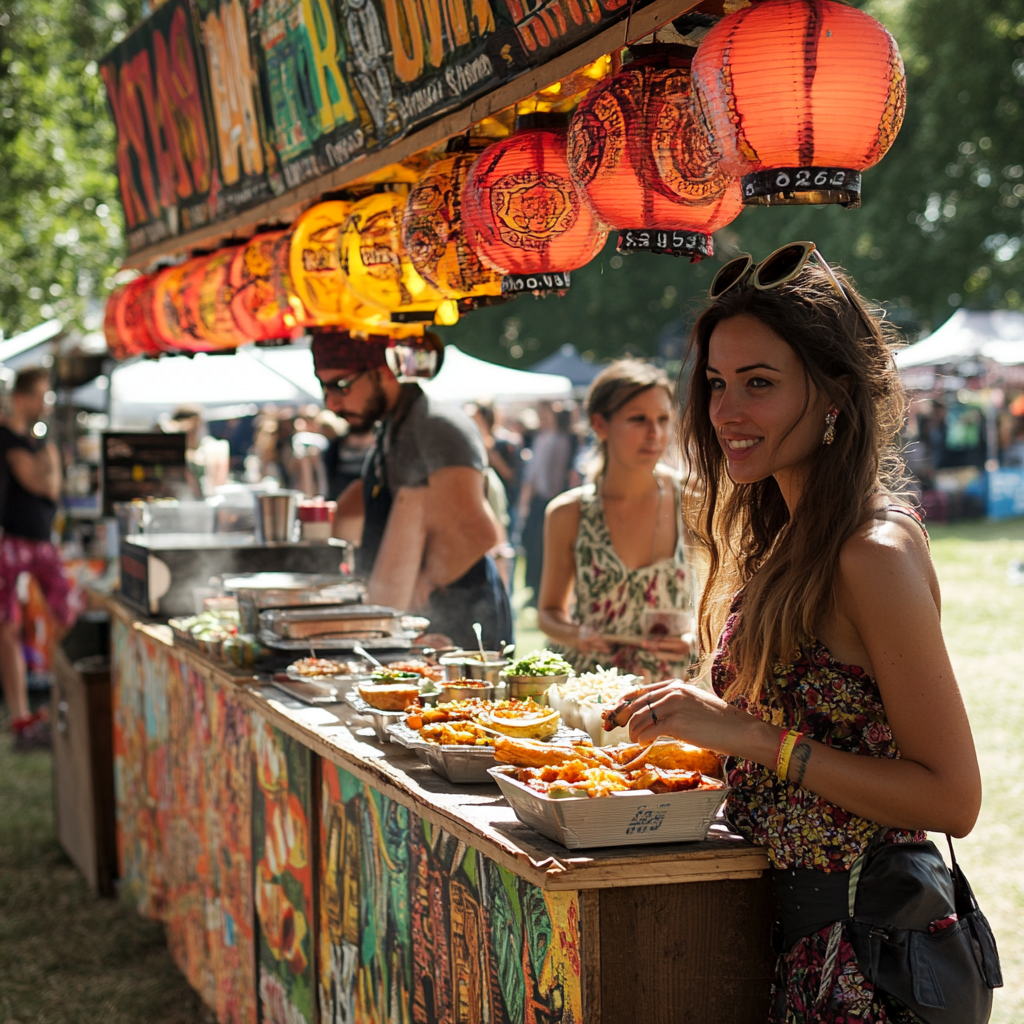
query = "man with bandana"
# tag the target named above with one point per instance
(426, 524)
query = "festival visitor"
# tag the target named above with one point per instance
(425, 525)
(616, 544)
(31, 482)
(835, 699)
(546, 474)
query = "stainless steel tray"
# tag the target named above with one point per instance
(458, 762)
(380, 719)
(363, 618)
(402, 641)
(311, 692)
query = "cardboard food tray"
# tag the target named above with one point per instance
(458, 762)
(622, 819)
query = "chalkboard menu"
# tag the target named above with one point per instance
(142, 465)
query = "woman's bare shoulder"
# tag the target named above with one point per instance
(567, 504)
(885, 550)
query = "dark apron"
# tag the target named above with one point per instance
(477, 596)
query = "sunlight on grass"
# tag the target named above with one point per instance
(983, 622)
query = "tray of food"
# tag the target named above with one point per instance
(457, 738)
(616, 796)
(583, 698)
(385, 698)
(306, 670)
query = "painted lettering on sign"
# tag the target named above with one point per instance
(234, 91)
(163, 153)
(423, 32)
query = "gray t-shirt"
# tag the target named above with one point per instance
(422, 437)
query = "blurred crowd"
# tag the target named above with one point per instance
(535, 452)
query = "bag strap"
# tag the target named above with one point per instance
(859, 864)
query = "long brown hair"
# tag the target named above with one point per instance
(618, 383)
(786, 566)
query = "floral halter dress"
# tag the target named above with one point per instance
(610, 598)
(840, 706)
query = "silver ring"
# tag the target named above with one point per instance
(654, 717)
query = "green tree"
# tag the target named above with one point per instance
(61, 228)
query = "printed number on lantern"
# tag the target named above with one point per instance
(838, 178)
(804, 178)
(781, 180)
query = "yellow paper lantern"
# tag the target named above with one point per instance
(376, 264)
(433, 235)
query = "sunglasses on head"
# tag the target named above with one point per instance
(775, 270)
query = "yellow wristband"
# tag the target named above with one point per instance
(789, 743)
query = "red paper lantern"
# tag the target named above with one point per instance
(207, 294)
(644, 161)
(174, 320)
(256, 302)
(125, 324)
(434, 236)
(801, 96)
(524, 215)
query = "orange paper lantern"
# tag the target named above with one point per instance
(801, 96)
(434, 236)
(207, 293)
(524, 215)
(256, 302)
(124, 324)
(646, 164)
(173, 319)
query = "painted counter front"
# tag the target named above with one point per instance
(306, 873)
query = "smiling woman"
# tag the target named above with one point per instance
(834, 699)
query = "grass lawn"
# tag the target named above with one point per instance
(68, 957)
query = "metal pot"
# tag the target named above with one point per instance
(467, 665)
(472, 688)
(277, 516)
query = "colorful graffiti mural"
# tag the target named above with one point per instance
(282, 791)
(183, 765)
(416, 927)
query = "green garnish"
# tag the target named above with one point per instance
(541, 663)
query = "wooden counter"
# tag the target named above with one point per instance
(306, 871)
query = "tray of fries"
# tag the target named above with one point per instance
(466, 761)
(579, 820)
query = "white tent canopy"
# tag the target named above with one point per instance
(970, 334)
(141, 390)
(463, 378)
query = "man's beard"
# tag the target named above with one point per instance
(376, 409)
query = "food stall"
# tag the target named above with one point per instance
(374, 168)
(301, 864)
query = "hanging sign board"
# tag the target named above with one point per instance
(220, 104)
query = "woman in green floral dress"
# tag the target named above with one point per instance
(614, 548)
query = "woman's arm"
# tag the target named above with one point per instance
(558, 576)
(883, 588)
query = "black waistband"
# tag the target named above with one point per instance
(807, 901)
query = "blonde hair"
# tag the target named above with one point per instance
(785, 566)
(616, 385)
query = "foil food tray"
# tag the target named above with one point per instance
(461, 763)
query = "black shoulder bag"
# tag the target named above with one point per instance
(945, 977)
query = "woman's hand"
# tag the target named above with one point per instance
(686, 712)
(675, 647)
(591, 641)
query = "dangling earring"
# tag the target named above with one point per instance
(830, 426)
